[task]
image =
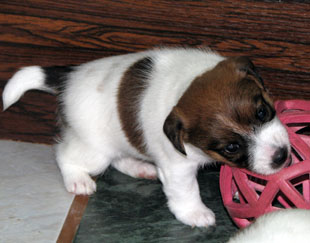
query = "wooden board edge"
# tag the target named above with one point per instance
(73, 219)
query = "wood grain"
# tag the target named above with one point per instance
(275, 34)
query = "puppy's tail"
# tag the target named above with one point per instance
(49, 79)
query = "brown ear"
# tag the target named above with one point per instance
(174, 129)
(245, 66)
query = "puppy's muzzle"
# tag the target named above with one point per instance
(280, 157)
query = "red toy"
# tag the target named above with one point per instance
(247, 195)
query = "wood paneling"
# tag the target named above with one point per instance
(275, 34)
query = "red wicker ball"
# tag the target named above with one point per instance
(247, 195)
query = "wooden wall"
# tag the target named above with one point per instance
(276, 34)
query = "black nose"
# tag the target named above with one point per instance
(280, 156)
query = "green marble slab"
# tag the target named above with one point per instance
(131, 210)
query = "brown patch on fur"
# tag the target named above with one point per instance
(174, 129)
(220, 107)
(130, 91)
(218, 157)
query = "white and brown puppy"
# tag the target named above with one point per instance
(177, 108)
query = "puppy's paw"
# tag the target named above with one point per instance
(199, 217)
(136, 168)
(146, 171)
(80, 184)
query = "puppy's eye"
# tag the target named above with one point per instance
(232, 148)
(261, 113)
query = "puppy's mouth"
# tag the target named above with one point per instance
(288, 162)
(272, 167)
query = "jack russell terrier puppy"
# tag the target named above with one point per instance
(160, 113)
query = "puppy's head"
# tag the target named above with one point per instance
(227, 114)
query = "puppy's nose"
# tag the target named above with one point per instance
(280, 156)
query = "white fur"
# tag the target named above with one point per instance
(178, 174)
(283, 226)
(95, 138)
(25, 79)
(270, 137)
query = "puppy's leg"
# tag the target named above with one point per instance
(182, 190)
(136, 168)
(77, 161)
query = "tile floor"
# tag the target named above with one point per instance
(34, 204)
(33, 200)
(129, 210)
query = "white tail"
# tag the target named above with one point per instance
(25, 79)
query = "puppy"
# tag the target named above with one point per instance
(160, 113)
(285, 226)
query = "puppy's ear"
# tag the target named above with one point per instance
(246, 67)
(174, 129)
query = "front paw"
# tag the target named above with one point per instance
(80, 184)
(197, 217)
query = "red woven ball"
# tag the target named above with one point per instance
(247, 195)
